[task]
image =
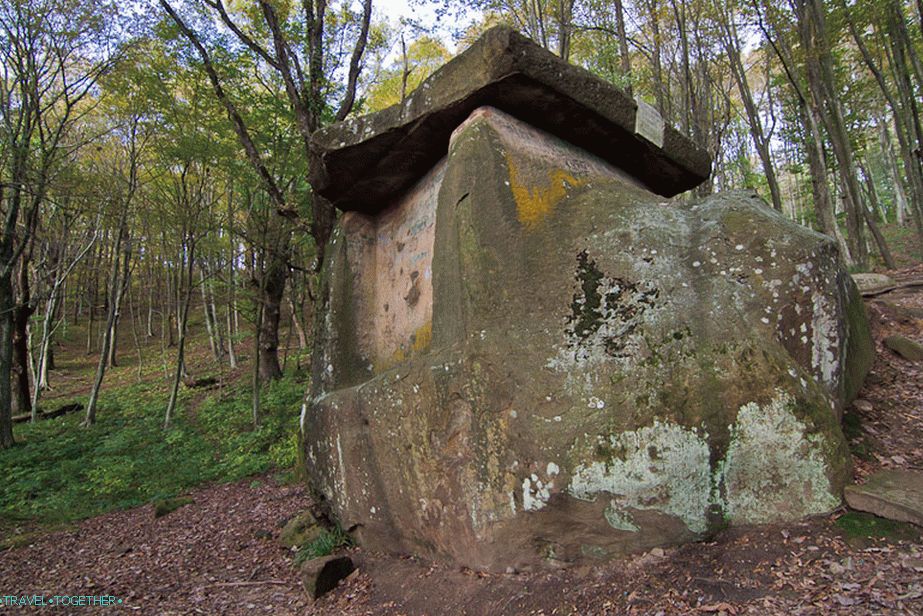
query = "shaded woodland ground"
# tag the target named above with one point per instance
(218, 553)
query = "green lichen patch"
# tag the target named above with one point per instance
(774, 465)
(663, 467)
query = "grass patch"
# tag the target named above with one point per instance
(325, 544)
(60, 471)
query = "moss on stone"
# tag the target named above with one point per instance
(860, 350)
(858, 525)
(166, 506)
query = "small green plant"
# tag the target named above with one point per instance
(325, 544)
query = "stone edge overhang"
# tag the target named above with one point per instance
(362, 163)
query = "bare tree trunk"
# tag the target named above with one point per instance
(150, 300)
(232, 355)
(124, 281)
(92, 292)
(213, 316)
(232, 283)
(870, 220)
(814, 38)
(887, 150)
(22, 399)
(134, 332)
(624, 57)
(186, 300)
(405, 72)
(905, 126)
(210, 326)
(114, 284)
(660, 93)
(732, 47)
(273, 290)
(912, 149)
(6, 360)
(296, 321)
(257, 367)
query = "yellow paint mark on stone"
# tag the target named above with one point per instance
(423, 336)
(419, 341)
(534, 203)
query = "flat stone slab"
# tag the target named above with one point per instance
(361, 164)
(872, 283)
(892, 494)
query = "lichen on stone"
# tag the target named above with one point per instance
(663, 467)
(605, 313)
(774, 468)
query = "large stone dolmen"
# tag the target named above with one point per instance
(532, 357)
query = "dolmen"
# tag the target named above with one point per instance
(530, 356)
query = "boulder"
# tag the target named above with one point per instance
(531, 358)
(892, 494)
(905, 347)
(300, 530)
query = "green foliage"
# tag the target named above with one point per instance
(423, 57)
(325, 544)
(61, 471)
(244, 450)
(904, 244)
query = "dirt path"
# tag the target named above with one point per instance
(220, 555)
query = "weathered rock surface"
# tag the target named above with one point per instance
(893, 494)
(534, 359)
(361, 164)
(321, 575)
(872, 283)
(530, 358)
(905, 347)
(300, 530)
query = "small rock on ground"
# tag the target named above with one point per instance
(321, 575)
(870, 283)
(905, 347)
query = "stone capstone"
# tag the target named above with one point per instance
(528, 358)
(892, 494)
(362, 163)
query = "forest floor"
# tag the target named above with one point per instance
(219, 554)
